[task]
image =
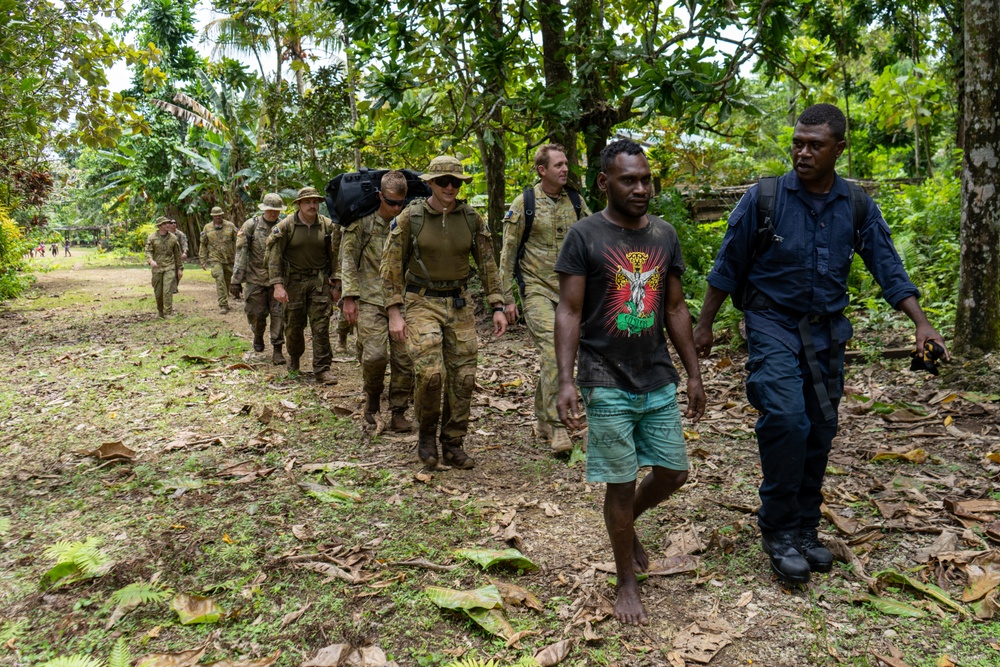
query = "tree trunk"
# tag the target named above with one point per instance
(558, 76)
(491, 133)
(977, 325)
(352, 93)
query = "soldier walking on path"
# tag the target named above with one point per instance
(534, 229)
(300, 266)
(426, 267)
(250, 268)
(183, 240)
(620, 288)
(218, 251)
(364, 305)
(785, 258)
(163, 254)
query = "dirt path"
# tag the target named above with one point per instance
(88, 363)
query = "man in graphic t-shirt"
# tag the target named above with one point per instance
(619, 288)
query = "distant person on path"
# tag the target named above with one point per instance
(250, 268)
(553, 209)
(163, 254)
(794, 291)
(364, 305)
(619, 288)
(66, 251)
(218, 252)
(55, 249)
(41, 250)
(300, 266)
(183, 240)
(425, 271)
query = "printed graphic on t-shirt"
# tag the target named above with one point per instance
(634, 291)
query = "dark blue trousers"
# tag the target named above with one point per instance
(792, 435)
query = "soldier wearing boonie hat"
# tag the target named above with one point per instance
(217, 251)
(300, 267)
(250, 268)
(163, 254)
(426, 267)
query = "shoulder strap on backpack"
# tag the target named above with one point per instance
(529, 218)
(577, 202)
(764, 234)
(859, 210)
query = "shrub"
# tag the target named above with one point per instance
(13, 246)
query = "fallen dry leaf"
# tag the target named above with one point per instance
(303, 533)
(187, 658)
(425, 564)
(702, 640)
(555, 653)
(261, 662)
(293, 616)
(518, 636)
(111, 451)
(329, 656)
(265, 416)
(513, 594)
(288, 405)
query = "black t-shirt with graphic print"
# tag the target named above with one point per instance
(622, 341)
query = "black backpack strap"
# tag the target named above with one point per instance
(767, 194)
(574, 197)
(859, 210)
(528, 196)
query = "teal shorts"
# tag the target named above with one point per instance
(626, 431)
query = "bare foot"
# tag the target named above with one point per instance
(640, 559)
(628, 607)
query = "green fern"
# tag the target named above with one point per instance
(75, 561)
(73, 661)
(120, 655)
(140, 592)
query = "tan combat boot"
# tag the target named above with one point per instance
(342, 344)
(561, 441)
(277, 358)
(542, 430)
(453, 455)
(325, 377)
(399, 423)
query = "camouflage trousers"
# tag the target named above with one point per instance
(443, 346)
(308, 301)
(223, 275)
(163, 290)
(259, 303)
(540, 316)
(378, 352)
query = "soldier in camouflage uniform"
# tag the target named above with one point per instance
(343, 326)
(364, 305)
(218, 249)
(163, 254)
(425, 266)
(300, 266)
(183, 240)
(554, 213)
(251, 244)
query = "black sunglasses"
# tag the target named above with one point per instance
(392, 202)
(448, 181)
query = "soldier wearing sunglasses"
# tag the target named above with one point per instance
(364, 306)
(426, 267)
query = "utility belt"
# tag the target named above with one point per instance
(757, 300)
(457, 300)
(307, 275)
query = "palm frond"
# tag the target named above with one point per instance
(195, 106)
(186, 115)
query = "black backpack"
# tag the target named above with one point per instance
(351, 195)
(529, 219)
(765, 234)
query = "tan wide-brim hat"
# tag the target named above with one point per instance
(216, 211)
(308, 193)
(272, 202)
(163, 220)
(445, 165)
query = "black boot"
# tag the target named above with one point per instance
(372, 407)
(786, 561)
(455, 456)
(427, 450)
(818, 556)
(258, 342)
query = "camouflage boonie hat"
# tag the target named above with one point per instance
(445, 165)
(216, 211)
(163, 220)
(308, 193)
(272, 202)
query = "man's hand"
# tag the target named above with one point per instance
(184, 256)
(927, 333)
(397, 325)
(178, 272)
(568, 405)
(703, 340)
(153, 264)
(280, 295)
(499, 323)
(204, 267)
(510, 310)
(350, 310)
(696, 399)
(236, 289)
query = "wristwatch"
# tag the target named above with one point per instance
(497, 309)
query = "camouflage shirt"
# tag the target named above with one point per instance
(302, 248)
(362, 246)
(552, 220)
(164, 250)
(399, 248)
(182, 238)
(218, 245)
(251, 243)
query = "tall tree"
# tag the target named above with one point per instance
(977, 326)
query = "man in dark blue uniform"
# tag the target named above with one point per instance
(794, 293)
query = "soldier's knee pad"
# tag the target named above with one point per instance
(465, 381)
(433, 382)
